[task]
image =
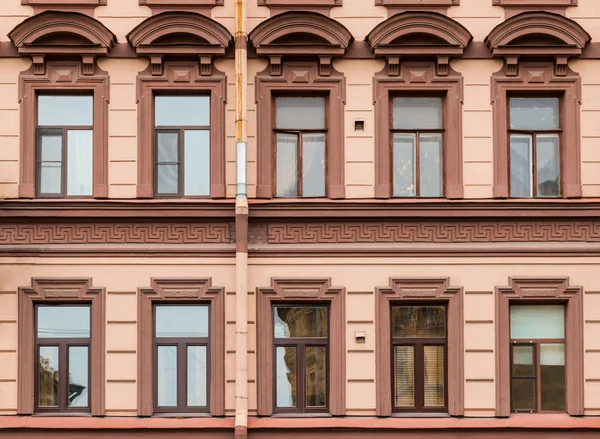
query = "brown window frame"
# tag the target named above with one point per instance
(417, 133)
(180, 131)
(301, 343)
(185, 78)
(60, 291)
(534, 134)
(310, 292)
(539, 79)
(419, 366)
(181, 291)
(298, 133)
(182, 344)
(420, 291)
(540, 291)
(63, 345)
(450, 89)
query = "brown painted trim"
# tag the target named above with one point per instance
(540, 78)
(69, 77)
(280, 6)
(419, 290)
(419, 77)
(81, 6)
(301, 290)
(34, 36)
(212, 38)
(514, 7)
(187, 290)
(181, 76)
(504, 39)
(541, 290)
(60, 290)
(201, 6)
(403, 5)
(301, 77)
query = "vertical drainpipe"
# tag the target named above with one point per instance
(241, 224)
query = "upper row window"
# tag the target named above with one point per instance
(182, 132)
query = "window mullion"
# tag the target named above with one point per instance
(417, 160)
(181, 164)
(419, 377)
(534, 164)
(300, 168)
(181, 375)
(301, 377)
(64, 164)
(63, 375)
(538, 377)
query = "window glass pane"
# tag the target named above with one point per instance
(417, 113)
(523, 394)
(196, 382)
(167, 147)
(404, 165)
(167, 179)
(196, 177)
(300, 113)
(51, 178)
(65, 111)
(172, 111)
(287, 165)
(63, 321)
(522, 361)
(548, 167)
(313, 165)
(404, 384)
(552, 379)
(534, 114)
(316, 376)
(520, 166)
(48, 377)
(430, 152)
(79, 162)
(167, 376)
(433, 363)
(418, 321)
(78, 376)
(300, 321)
(285, 358)
(537, 321)
(51, 148)
(182, 321)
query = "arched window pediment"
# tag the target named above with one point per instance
(62, 33)
(537, 33)
(180, 34)
(419, 34)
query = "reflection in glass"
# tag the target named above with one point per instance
(65, 111)
(430, 162)
(63, 321)
(520, 166)
(552, 379)
(48, 377)
(80, 163)
(197, 163)
(522, 361)
(404, 367)
(548, 165)
(51, 164)
(418, 321)
(313, 165)
(287, 165)
(51, 148)
(173, 111)
(417, 113)
(182, 321)
(534, 114)
(433, 363)
(78, 376)
(537, 321)
(285, 360)
(196, 376)
(300, 113)
(316, 376)
(523, 394)
(167, 147)
(167, 376)
(404, 165)
(168, 179)
(300, 321)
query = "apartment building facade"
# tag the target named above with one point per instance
(408, 245)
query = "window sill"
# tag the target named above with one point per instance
(181, 415)
(420, 415)
(61, 415)
(301, 415)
